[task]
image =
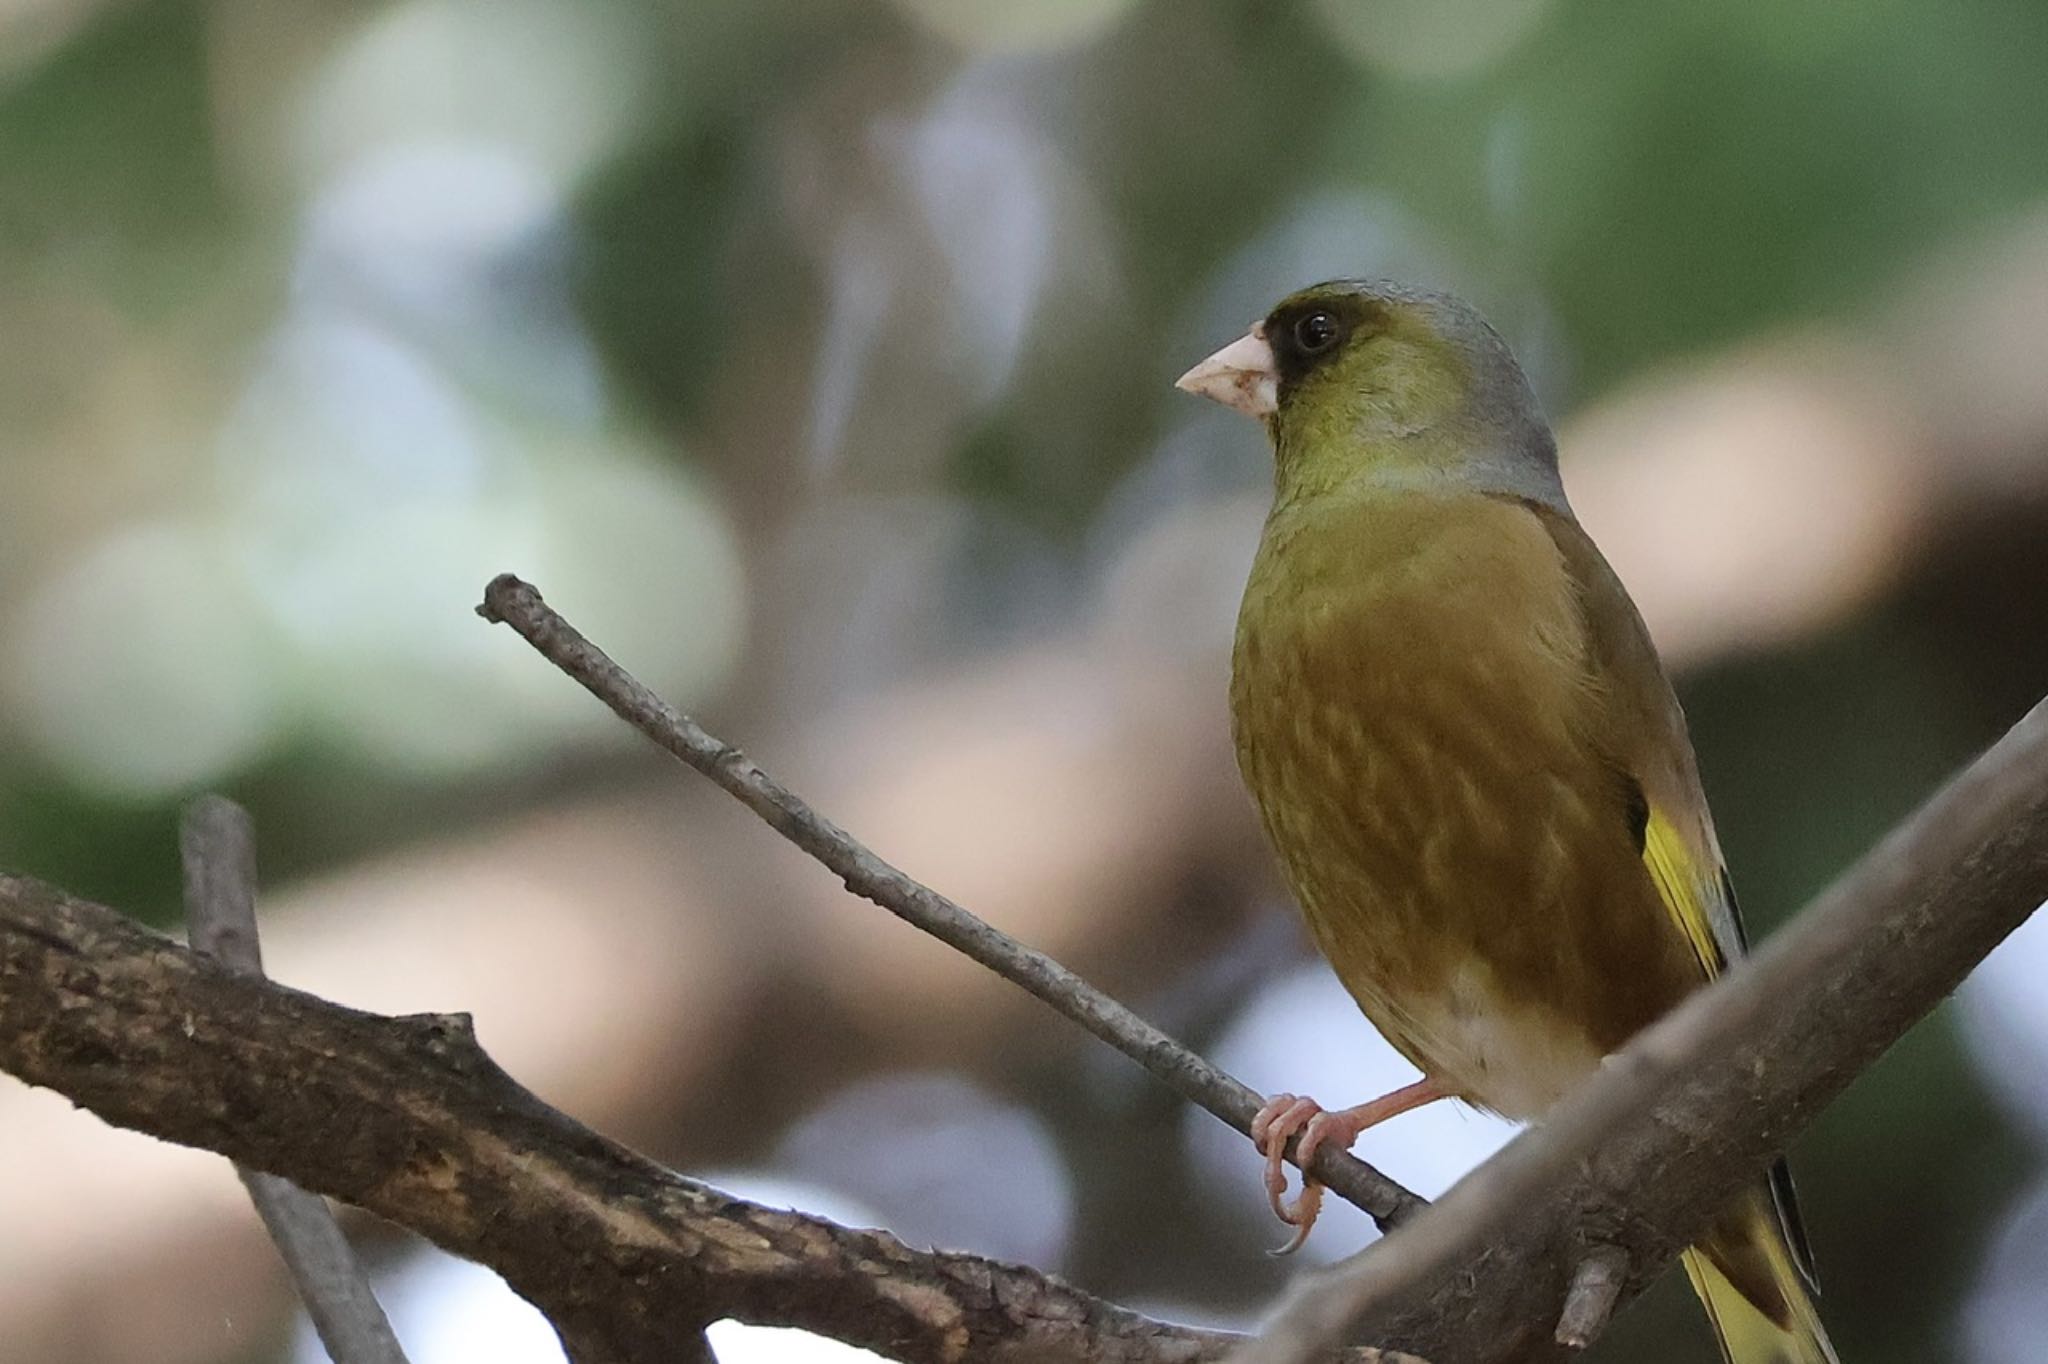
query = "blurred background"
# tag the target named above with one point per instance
(815, 357)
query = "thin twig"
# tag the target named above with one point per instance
(218, 845)
(1713, 1090)
(1596, 1288)
(511, 602)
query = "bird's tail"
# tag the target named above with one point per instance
(1756, 1287)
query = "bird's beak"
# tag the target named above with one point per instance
(1242, 375)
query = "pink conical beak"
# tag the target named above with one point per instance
(1242, 375)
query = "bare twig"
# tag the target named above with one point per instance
(219, 849)
(1658, 1142)
(1712, 1092)
(509, 601)
(408, 1118)
(217, 846)
(1596, 1288)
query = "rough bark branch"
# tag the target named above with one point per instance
(218, 846)
(408, 1118)
(1646, 1153)
(509, 601)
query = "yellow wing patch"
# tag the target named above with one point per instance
(1702, 904)
(1684, 885)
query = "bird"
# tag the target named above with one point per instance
(1466, 755)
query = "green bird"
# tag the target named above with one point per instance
(1466, 754)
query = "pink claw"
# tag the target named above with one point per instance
(1284, 1116)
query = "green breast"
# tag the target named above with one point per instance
(1413, 718)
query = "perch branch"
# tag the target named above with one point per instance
(511, 602)
(408, 1118)
(1645, 1156)
(1647, 1152)
(218, 846)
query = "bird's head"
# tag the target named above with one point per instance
(1360, 379)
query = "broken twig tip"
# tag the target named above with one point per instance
(1596, 1287)
(499, 594)
(504, 594)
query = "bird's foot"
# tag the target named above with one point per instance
(1286, 1115)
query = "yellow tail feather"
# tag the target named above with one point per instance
(1746, 1332)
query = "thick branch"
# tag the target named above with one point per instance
(1643, 1157)
(408, 1118)
(519, 605)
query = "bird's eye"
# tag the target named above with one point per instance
(1315, 332)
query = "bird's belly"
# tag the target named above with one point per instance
(1493, 1050)
(1450, 875)
(1461, 854)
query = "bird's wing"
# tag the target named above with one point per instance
(1654, 754)
(1694, 887)
(1644, 733)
